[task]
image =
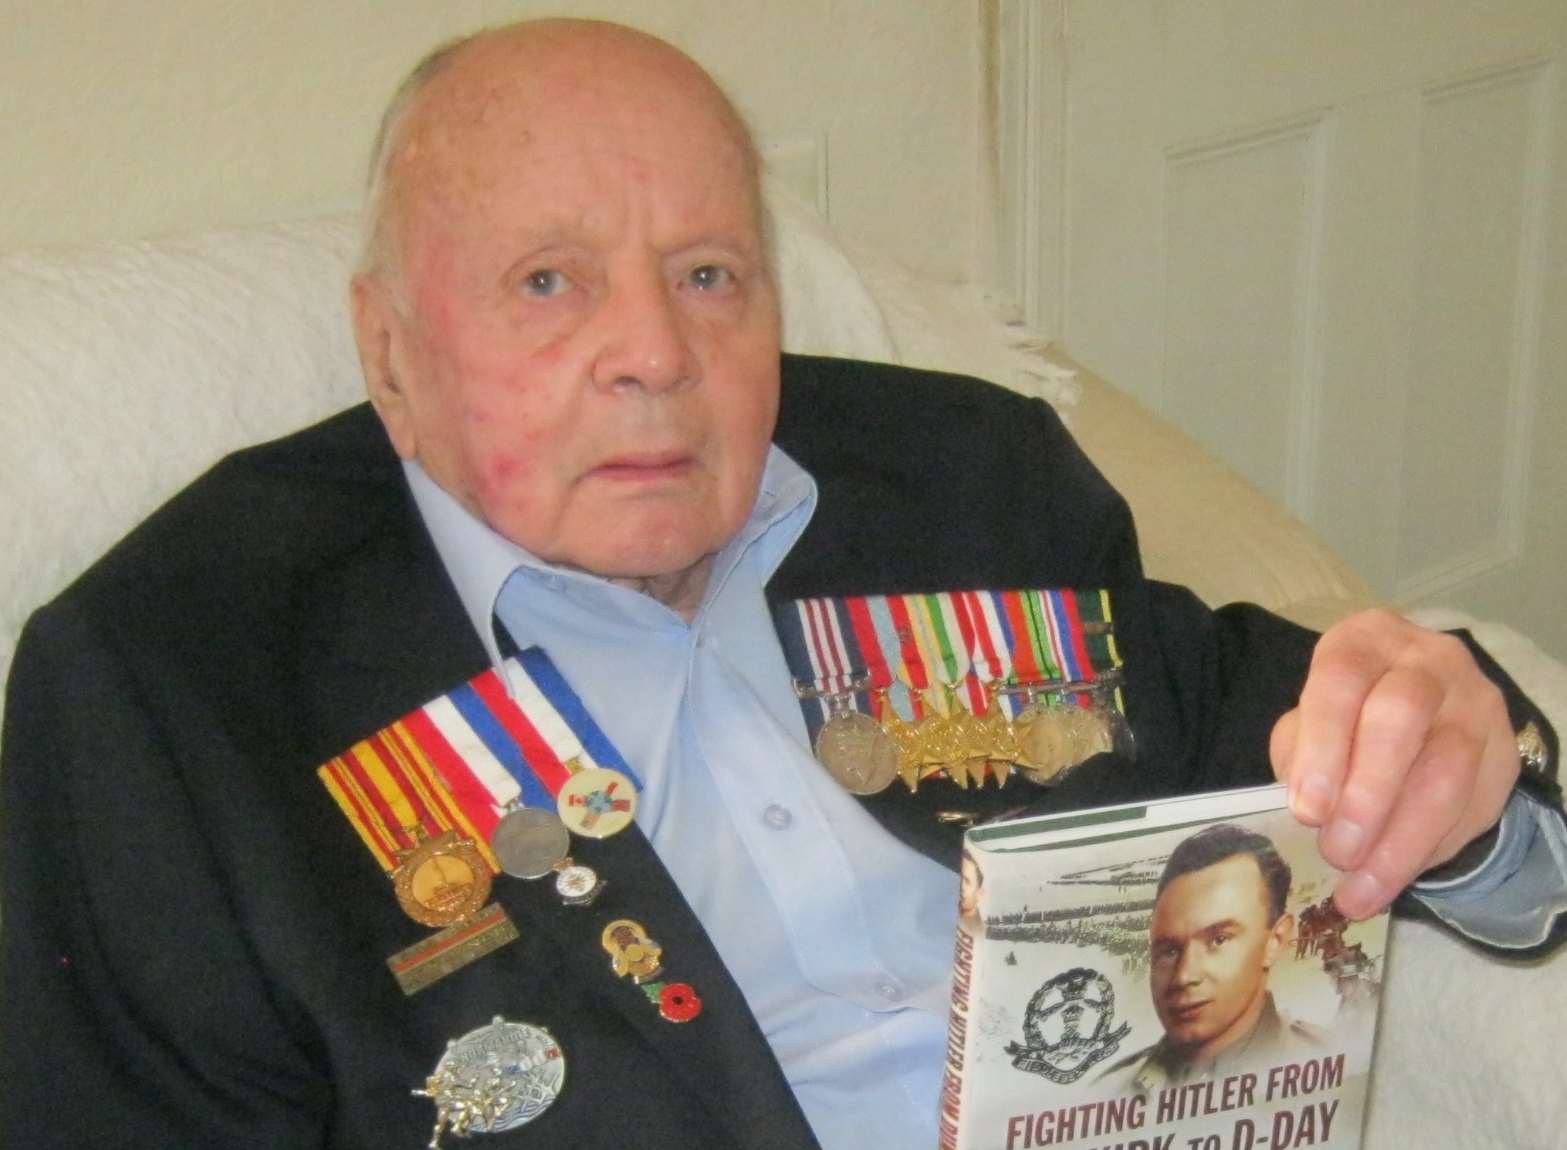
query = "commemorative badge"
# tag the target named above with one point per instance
(968, 685)
(635, 955)
(495, 1078)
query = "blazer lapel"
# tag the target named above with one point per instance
(721, 1054)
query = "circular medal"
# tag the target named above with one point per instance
(858, 753)
(442, 880)
(597, 802)
(529, 841)
(495, 1078)
(1042, 739)
(1089, 732)
(576, 884)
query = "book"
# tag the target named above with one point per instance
(1169, 975)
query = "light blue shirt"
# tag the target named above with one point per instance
(839, 936)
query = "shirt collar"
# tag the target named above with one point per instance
(479, 560)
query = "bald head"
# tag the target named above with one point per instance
(493, 81)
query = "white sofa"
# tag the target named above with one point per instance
(127, 368)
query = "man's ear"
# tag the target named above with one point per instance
(1279, 938)
(380, 330)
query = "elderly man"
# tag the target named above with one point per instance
(569, 331)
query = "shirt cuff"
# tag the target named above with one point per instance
(1513, 898)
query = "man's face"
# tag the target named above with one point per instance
(969, 881)
(1212, 945)
(585, 352)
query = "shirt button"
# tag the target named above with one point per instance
(778, 817)
(889, 990)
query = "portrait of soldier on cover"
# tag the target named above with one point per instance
(970, 881)
(1219, 925)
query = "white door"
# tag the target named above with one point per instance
(1329, 239)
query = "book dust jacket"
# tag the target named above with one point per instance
(1161, 976)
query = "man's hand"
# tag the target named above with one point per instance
(1400, 749)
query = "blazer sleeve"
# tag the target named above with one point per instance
(118, 941)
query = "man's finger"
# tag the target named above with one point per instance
(1281, 744)
(1426, 821)
(1348, 661)
(1395, 720)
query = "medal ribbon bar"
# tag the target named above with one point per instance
(963, 682)
(939, 653)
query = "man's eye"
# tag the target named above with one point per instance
(545, 282)
(710, 277)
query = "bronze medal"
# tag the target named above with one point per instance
(442, 881)
(1089, 733)
(858, 753)
(1043, 742)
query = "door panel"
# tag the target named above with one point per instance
(1327, 238)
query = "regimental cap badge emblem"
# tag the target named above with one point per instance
(496, 1078)
(1069, 1026)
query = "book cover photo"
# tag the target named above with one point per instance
(1162, 976)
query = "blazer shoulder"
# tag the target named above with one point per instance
(822, 392)
(256, 522)
(931, 480)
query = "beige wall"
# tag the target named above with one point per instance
(134, 117)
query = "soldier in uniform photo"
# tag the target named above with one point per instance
(1219, 925)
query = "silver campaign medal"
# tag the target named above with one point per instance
(530, 841)
(495, 1078)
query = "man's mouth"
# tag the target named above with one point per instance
(1186, 1011)
(644, 466)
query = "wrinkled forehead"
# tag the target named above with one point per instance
(486, 129)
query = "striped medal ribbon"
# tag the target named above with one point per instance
(968, 684)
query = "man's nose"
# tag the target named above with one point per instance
(643, 340)
(1188, 967)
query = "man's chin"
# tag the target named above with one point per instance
(1188, 1034)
